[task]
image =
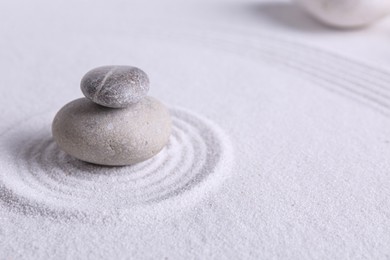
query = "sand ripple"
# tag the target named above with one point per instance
(39, 178)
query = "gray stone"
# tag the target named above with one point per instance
(115, 86)
(346, 13)
(109, 136)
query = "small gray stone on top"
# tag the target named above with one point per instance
(115, 86)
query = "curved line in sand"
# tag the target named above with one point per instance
(40, 179)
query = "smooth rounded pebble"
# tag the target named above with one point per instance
(115, 86)
(346, 13)
(108, 136)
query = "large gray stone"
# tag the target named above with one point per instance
(115, 86)
(109, 136)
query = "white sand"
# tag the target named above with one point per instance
(307, 118)
(45, 181)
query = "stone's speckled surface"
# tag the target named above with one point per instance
(115, 86)
(109, 136)
(346, 13)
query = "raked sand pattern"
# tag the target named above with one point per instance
(44, 180)
(352, 79)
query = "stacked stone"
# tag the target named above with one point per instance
(347, 13)
(116, 123)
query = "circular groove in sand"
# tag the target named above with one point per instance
(44, 179)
